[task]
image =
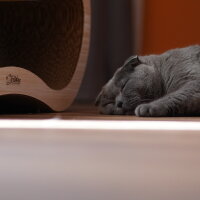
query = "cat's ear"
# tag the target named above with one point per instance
(132, 62)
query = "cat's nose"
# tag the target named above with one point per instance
(119, 104)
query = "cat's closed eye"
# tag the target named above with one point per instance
(108, 103)
(123, 85)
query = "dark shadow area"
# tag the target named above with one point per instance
(21, 104)
(111, 44)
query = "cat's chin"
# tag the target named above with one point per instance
(124, 112)
(113, 110)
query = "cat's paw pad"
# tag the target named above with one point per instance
(149, 110)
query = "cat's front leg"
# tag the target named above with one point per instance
(151, 110)
(184, 101)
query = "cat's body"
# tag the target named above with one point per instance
(158, 85)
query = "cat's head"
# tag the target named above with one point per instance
(131, 85)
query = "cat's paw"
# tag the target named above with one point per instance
(150, 110)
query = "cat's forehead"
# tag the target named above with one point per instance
(120, 73)
(123, 74)
(110, 86)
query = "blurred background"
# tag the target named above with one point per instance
(121, 28)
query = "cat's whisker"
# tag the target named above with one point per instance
(146, 100)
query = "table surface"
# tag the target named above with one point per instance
(56, 156)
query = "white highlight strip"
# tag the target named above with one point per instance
(99, 125)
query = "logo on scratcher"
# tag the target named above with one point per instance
(12, 80)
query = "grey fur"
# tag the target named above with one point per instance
(161, 85)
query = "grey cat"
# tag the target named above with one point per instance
(155, 85)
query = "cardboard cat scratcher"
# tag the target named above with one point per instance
(43, 51)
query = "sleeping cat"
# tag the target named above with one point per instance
(155, 85)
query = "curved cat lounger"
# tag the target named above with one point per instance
(43, 49)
